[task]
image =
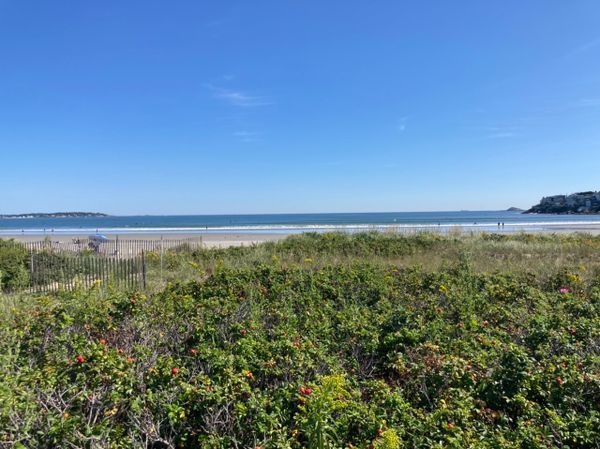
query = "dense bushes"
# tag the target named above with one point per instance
(539, 254)
(14, 273)
(336, 356)
(338, 244)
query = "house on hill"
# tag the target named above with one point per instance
(576, 203)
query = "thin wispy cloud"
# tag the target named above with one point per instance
(247, 136)
(219, 27)
(501, 135)
(584, 48)
(499, 132)
(401, 124)
(588, 102)
(238, 98)
(216, 23)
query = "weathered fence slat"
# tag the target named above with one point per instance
(116, 247)
(63, 271)
(55, 266)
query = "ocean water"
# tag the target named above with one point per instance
(293, 223)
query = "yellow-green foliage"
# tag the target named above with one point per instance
(389, 440)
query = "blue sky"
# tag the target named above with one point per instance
(159, 107)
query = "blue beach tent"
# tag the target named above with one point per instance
(99, 238)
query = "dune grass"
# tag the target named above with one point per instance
(540, 254)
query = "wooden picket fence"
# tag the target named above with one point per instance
(120, 248)
(52, 271)
(82, 263)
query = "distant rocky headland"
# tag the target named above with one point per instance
(576, 203)
(56, 215)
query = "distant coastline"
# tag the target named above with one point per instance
(282, 224)
(581, 203)
(54, 215)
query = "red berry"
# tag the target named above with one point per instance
(80, 359)
(193, 351)
(130, 360)
(559, 381)
(174, 371)
(103, 341)
(243, 332)
(306, 391)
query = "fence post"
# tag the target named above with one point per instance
(31, 270)
(143, 270)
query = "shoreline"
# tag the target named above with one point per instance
(301, 228)
(222, 238)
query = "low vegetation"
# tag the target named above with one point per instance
(318, 341)
(14, 266)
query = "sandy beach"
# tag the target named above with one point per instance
(208, 240)
(223, 240)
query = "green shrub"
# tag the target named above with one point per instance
(334, 356)
(14, 272)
